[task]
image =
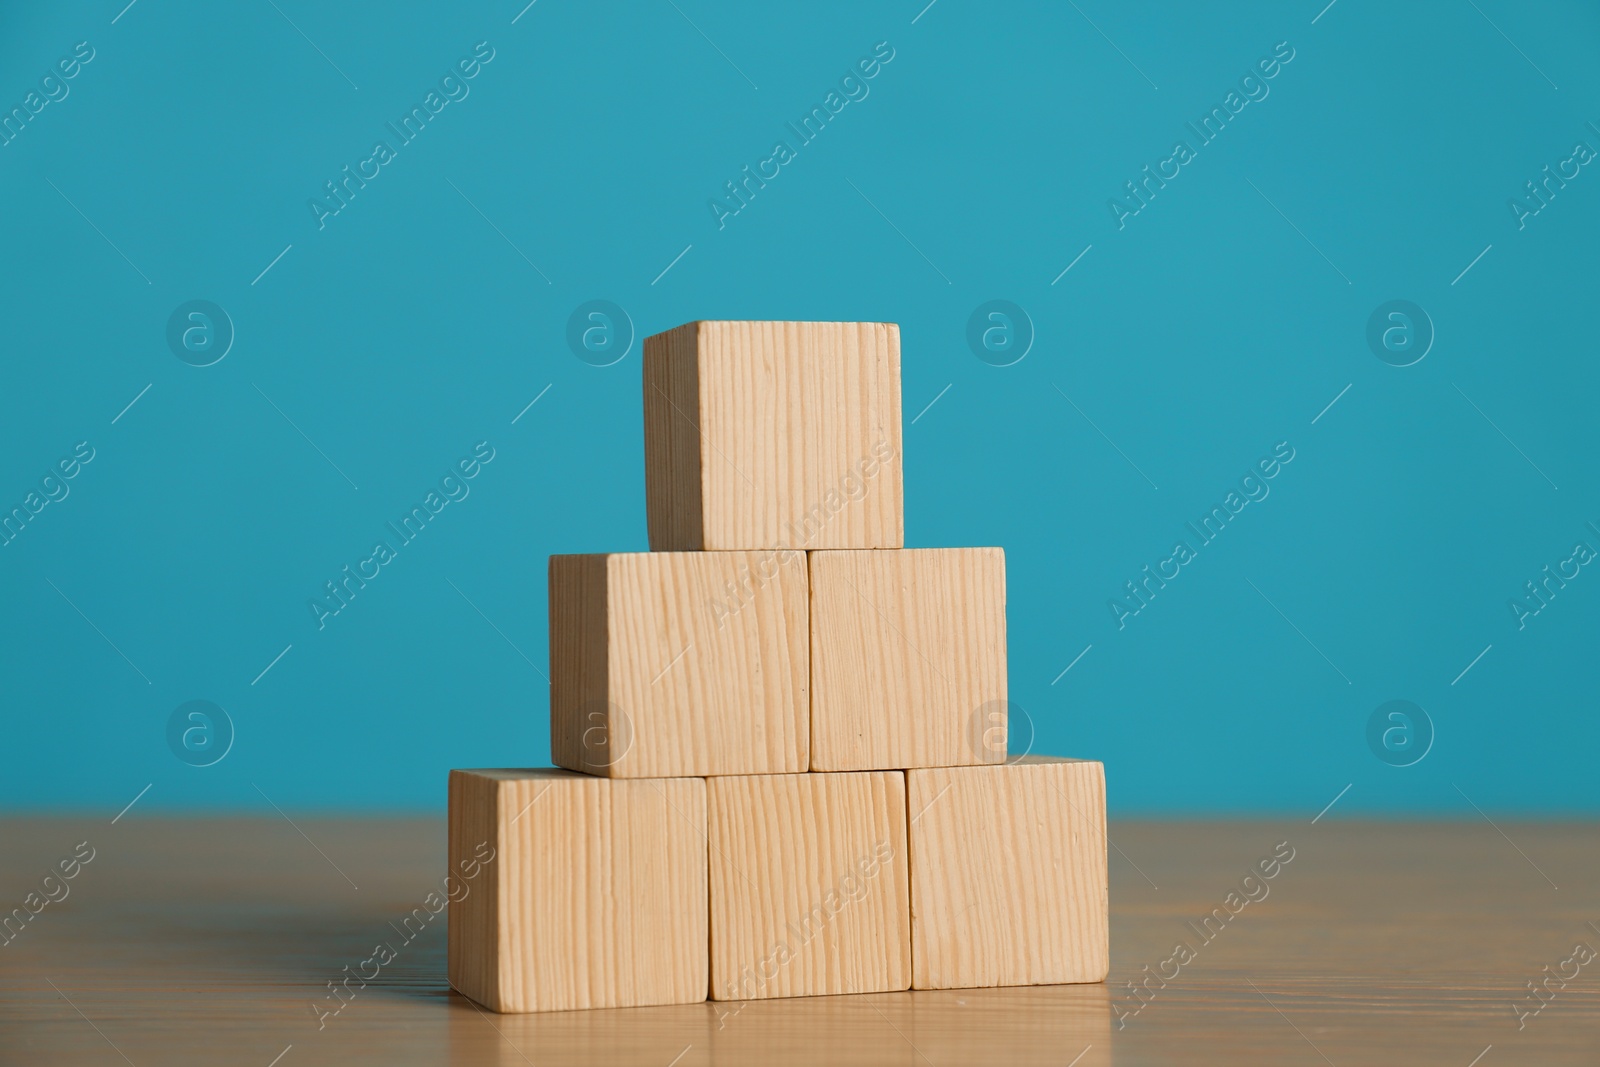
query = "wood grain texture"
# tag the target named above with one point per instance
(674, 440)
(769, 435)
(669, 664)
(809, 885)
(593, 894)
(190, 941)
(1008, 874)
(908, 658)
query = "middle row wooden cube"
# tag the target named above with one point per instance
(698, 664)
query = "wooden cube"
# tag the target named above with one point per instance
(764, 435)
(908, 658)
(667, 664)
(1008, 874)
(809, 878)
(576, 891)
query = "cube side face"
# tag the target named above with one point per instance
(704, 681)
(473, 938)
(580, 706)
(602, 893)
(672, 442)
(801, 424)
(908, 658)
(810, 886)
(1008, 875)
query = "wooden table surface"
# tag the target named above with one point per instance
(209, 941)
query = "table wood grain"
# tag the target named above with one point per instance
(207, 941)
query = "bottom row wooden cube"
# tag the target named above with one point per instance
(810, 885)
(1008, 874)
(586, 892)
(625, 892)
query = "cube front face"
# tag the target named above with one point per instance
(809, 885)
(1008, 874)
(762, 435)
(668, 664)
(908, 658)
(593, 893)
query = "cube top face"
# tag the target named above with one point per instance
(591, 893)
(809, 885)
(1008, 879)
(668, 664)
(908, 658)
(762, 435)
(519, 774)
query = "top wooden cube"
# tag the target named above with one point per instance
(773, 435)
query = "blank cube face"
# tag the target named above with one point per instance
(809, 885)
(908, 658)
(1008, 874)
(762, 435)
(583, 892)
(667, 664)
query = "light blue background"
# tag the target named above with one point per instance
(1196, 338)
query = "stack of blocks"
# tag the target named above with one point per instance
(782, 733)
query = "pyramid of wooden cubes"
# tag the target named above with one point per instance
(780, 733)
